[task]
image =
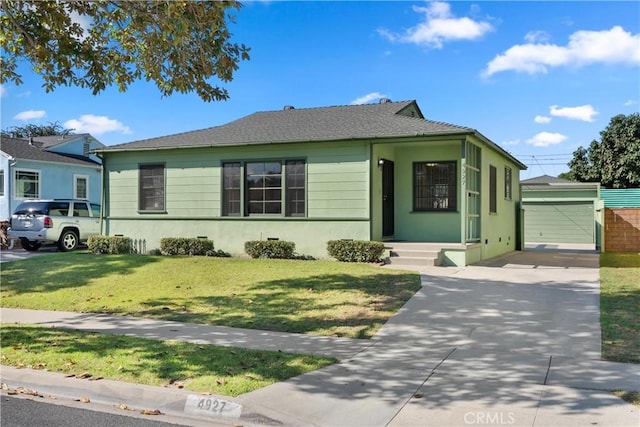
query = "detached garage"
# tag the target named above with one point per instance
(561, 211)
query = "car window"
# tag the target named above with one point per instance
(43, 208)
(58, 208)
(95, 210)
(80, 209)
(32, 208)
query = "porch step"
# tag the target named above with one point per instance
(414, 254)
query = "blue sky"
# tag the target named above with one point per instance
(538, 78)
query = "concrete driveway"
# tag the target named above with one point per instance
(7, 255)
(514, 341)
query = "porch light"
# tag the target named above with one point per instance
(380, 162)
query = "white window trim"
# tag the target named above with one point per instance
(15, 183)
(75, 186)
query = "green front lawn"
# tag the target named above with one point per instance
(619, 306)
(314, 297)
(201, 368)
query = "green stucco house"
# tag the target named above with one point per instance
(365, 172)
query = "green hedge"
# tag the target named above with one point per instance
(355, 250)
(186, 246)
(110, 245)
(270, 249)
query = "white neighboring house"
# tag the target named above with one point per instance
(50, 167)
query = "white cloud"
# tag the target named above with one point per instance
(584, 113)
(439, 26)
(96, 125)
(3, 91)
(545, 139)
(630, 102)
(537, 37)
(368, 98)
(30, 115)
(584, 47)
(542, 119)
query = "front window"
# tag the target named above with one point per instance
(27, 184)
(1, 183)
(81, 186)
(231, 196)
(151, 188)
(264, 188)
(295, 185)
(434, 186)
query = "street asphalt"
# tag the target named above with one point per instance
(513, 341)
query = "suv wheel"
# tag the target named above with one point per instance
(28, 245)
(68, 241)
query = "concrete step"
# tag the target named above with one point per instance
(413, 261)
(414, 253)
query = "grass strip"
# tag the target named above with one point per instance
(314, 297)
(619, 302)
(201, 368)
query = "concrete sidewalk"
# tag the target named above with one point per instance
(515, 341)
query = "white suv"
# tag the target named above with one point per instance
(62, 221)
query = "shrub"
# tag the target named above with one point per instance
(355, 250)
(110, 245)
(185, 246)
(270, 249)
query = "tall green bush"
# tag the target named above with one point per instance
(185, 246)
(270, 249)
(112, 245)
(355, 250)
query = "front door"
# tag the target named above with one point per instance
(387, 199)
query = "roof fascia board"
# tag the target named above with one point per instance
(94, 166)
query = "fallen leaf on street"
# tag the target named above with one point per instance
(151, 412)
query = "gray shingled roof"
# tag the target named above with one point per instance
(21, 149)
(368, 121)
(306, 125)
(53, 140)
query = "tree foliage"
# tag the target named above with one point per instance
(614, 161)
(179, 45)
(53, 128)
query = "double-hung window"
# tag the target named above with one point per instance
(507, 183)
(151, 188)
(27, 184)
(80, 186)
(434, 186)
(274, 187)
(493, 189)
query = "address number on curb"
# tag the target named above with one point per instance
(211, 406)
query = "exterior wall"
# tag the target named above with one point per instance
(230, 235)
(56, 181)
(498, 230)
(424, 226)
(622, 230)
(337, 196)
(5, 197)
